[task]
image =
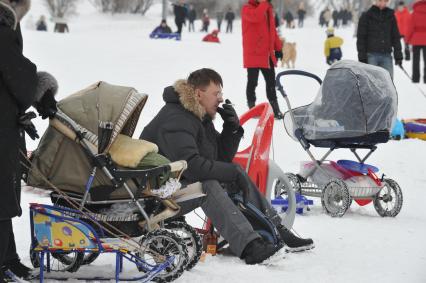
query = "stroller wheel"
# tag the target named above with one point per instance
(335, 198)
(164, 243)
(281, 189)
(388, 201)
(192, 240)
(90, 257)
(70, 261)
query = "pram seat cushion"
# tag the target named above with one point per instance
(366, 141)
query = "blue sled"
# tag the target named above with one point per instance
(175, 36)
(281, 204)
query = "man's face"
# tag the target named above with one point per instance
(210, 98)
(382, 4)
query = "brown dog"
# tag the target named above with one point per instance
(289, 54)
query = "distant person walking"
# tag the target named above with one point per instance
(378, 36)
(41, 24)
(301, 12)
(206, 21)
(179, 11)
(219, 19)
(229, 17)
(416, 36)
(192, 15)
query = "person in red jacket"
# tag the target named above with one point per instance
(402, 16)
(261, 47)
(416, 36)
(212, 37)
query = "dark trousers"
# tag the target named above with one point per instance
(179, 27)
(191, 26)
(252, 79)
(229, 26)
(7, 242)
(416, 63)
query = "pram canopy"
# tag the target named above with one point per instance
(355, 100)
(61, 159)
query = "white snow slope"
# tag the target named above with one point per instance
(359, 247)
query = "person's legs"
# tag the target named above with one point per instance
(252, 79)
(5, 235)
(416, 64)
(179, 26)
(424, 63)
(227, 218)
(269, 76)
(387, 63)
(373, 59)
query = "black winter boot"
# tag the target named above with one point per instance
(251, 104)
(257, 251)
(277, 112)
(19, 269)
(294, 243)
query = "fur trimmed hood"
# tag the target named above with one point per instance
(11, 13)
(183, 93)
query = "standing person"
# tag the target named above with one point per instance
(219, 19)
(321, 18)
(288, 17)
(335, 17)
(179, 11)
(416, 36)
(229, 17)
(402, 16)
(332, 47)
(261, 47)
(206, 21)
(61, 25)
(192, 15)
(327, 17)
(301, 12)
(18, 84)
(184, 130)
(378, 35)
(41, 24)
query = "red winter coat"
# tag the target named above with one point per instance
(402, 18)
(416, 30)
(260, 39)
(212, 37)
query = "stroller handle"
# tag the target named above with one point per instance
(293, 72)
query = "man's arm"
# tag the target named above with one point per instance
(396, 40)
(18, 73)
(228, 142)
(362, 34)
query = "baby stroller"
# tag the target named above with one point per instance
(354, 109)
(115, 190)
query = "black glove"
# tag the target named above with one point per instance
(278, 54)
(25, 123)
(328, 61)
(46, 107)
(363, 58)
(398, 62)
(243, 183)
(407, 53)
(229, 116)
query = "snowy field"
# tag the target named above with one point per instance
(360, 247)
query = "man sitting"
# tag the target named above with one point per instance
(184, 130)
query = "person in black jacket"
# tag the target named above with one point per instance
(184, 130)
(19, 86)
(180, 15)
(377, 36)
(229, 17)
(192, 15)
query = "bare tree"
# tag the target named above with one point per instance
(61, 8)
(123, 6)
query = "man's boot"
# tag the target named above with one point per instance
(251, 104)
(19, 269)
(276, 108)
(294, 243)
(257, 251)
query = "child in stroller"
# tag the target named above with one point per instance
(100, 174)
(355, 109)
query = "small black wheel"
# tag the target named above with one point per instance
(69, 262)
(388, 201)
(192, 240)
(335, 198)
(161, 243)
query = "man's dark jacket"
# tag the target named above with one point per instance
(180, 13)
(378, 32)
(183, 131)
(18, 81)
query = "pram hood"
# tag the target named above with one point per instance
(355, 100)
(61, 159)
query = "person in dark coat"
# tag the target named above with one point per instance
(179, 11)
(219, 19)
(288, 17)
(335, 16)
(18, 91)
(41, 24)
(192, 15)
(378, 36)
(416, 36)
(162, 28)
(301, 12)
(229, 17)
(184, 130)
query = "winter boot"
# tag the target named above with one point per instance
(294, 243)
(257, 251)
(20, 270)
(277, 113)
(251, 104)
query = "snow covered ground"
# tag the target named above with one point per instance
(360, 247)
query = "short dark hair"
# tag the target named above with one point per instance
(203, 77)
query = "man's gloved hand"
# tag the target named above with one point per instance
(279, 54)
(362, 58)
(328, 61)
(398, 62)
(46, 107)
(243, 183)
(407, 53)
(229, 115)
(25, 123)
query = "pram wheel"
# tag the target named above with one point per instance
(335, 198)
(192, 240)
(90, 257)
(161, 243)
(59, 261)
(388, 201)
(294, 182)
